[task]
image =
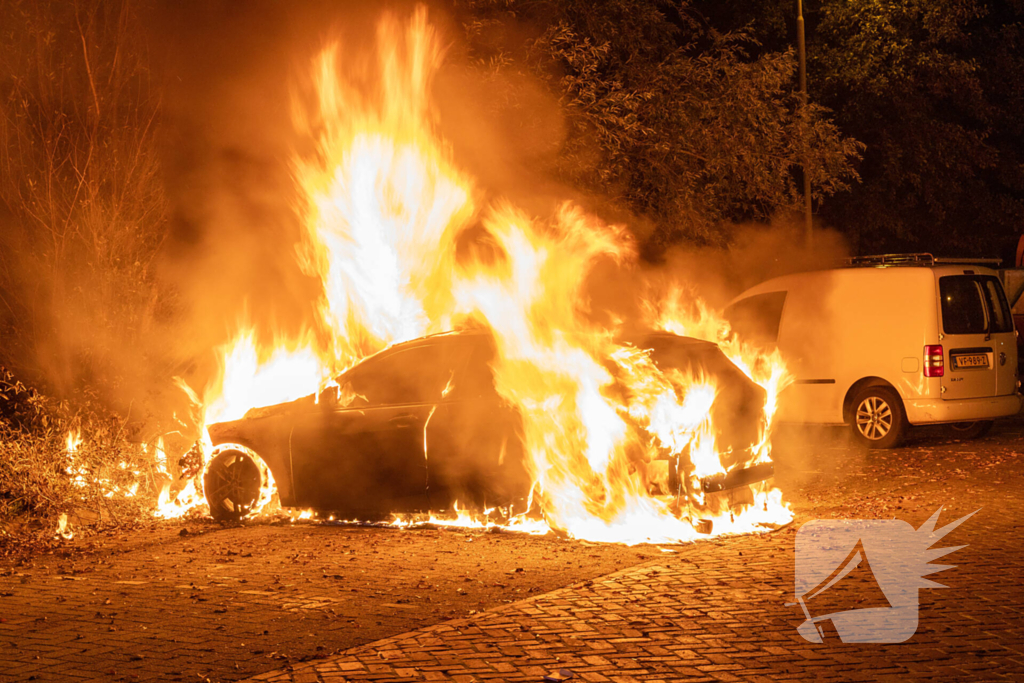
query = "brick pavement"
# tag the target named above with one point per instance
(714, 612)
(238, 601)
(230, 602)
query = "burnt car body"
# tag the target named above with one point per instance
(419, 426)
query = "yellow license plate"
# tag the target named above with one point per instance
(979, 360)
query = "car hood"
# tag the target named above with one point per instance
(281, 408)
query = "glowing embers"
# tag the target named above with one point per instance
(64, 530)
(120, 480)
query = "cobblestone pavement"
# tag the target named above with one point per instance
(717, 611)
(702, 616)
(233, 602)
(225, 603)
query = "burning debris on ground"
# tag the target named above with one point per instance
(66, 465)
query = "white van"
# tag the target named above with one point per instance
(887, 342)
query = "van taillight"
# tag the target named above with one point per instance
(933, 365)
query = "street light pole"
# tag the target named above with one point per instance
(802, 51)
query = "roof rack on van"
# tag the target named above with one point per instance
(920, 259)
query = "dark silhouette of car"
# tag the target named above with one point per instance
(420, 425)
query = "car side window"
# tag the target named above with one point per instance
(415, 375)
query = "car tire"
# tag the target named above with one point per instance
(232, 485)
(967, 431)
(877, 418)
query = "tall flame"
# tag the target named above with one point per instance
(404, 245)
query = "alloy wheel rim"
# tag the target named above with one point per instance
(234, 484)
(874, 418)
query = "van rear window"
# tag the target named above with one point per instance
(973, 304)
(757, 317)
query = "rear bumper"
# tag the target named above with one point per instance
(930, 411)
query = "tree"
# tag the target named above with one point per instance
(669, 117)
(934, 90)
(906, 79)
(81, 200)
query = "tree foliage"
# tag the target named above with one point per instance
(912, 80)
(671, 118)
(934, 89)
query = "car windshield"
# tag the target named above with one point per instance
(757, 318)
(973, 304)
(686, 356)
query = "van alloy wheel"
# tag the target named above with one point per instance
(874, 418)
(877, 418)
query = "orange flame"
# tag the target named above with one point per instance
(82, 476)
(73, 440)
(64, 529)
(384, 207)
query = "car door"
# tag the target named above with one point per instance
(360, 451)
(474, 449)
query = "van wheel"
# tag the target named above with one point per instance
(878, 420)
(970, 430)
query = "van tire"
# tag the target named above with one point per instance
(967, 431)
(877, 418)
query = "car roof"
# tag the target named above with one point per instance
(679, 338)
(427, 341)
(440, 337)
(485, 333)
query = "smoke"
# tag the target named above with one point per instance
(229, 143)
(216, 230)
(230, 256)
(755, 254)
(230, 139)
(81, 197)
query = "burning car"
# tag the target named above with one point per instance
(421, 425)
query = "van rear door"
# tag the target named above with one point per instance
(978, 330)
(1003, 335)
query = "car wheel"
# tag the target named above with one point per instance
(971, 430)
(877, 419)
(232, 485)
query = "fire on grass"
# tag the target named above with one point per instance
(140, 474)
(405, 244)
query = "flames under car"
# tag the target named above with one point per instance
(420, 426)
